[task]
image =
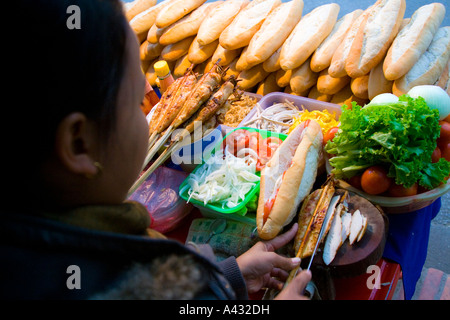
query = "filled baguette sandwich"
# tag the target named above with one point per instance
(288, 178)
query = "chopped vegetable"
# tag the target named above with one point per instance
(400, 136)
(324, 118)
(224, 179)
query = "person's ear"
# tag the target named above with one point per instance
(75, 141)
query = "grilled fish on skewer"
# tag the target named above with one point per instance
(215, 102)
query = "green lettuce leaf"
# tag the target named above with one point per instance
(399, 136)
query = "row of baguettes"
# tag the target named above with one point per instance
(270, 46)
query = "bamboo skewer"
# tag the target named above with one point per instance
(152, 139)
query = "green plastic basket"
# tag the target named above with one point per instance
(240, 211)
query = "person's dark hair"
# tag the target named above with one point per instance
(53, 70)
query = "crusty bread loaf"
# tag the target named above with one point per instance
(176, 10)
(307, 35)
(154, 33)
(143, 21)
(273, 63)
(268, 85)
(337, 65)
(226, 56)
(231, 70)
(297, 161)
(374, 39)
(360, 87)
(317, 95)
(138, 6)
(175, 51)
(181, 66)
(444, 79)
(251, 77)
(274, 31)
(186, 26)
(218, 19)
(283, 77)
(321, 58)
(378, 83)
(346, 97)
(150, 51)
(327, 84)
(242, 63)
(430, 65)
(303, 78)
(198, 53)
(412, 41)
(240, 31)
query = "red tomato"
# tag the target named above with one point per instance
(374, 180)
(445, 130)
(447, 119)
(436, 155)
(329, 135)
(237, 140)
(266, 150)
(255, 141)
(445, 151)
(397, 190)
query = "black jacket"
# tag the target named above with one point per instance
(45, 259)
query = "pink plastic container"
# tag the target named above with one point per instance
(159, 194)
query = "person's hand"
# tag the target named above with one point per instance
(261, 267)
(295, 289)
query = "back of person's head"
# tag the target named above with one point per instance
(63, 56)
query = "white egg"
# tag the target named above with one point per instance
(435, 97)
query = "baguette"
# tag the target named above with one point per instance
(218, 19)
(150, 51)
(138, 6)
(273, 63)
(175, 51)
(181, 66)
(378, 83)
(283, 77)
(274, 31)
(176, 10)
(242, 63)
(321, 58)
(430, 65)
(143, 21)
(186, 26)
(373, 40)
(226, 56)
(251, 77)
(413, 40)
(315, 94)
(198, 53)
(231, 70)
(288, 178)
(327, 84)
(346, 97)
(305, 93)
(268, 85)
(246, 23)
(444, 79)
(150, 73)
(154, 33)
(360, 87)
(303, 78)
(307, 35)
(337, 65)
